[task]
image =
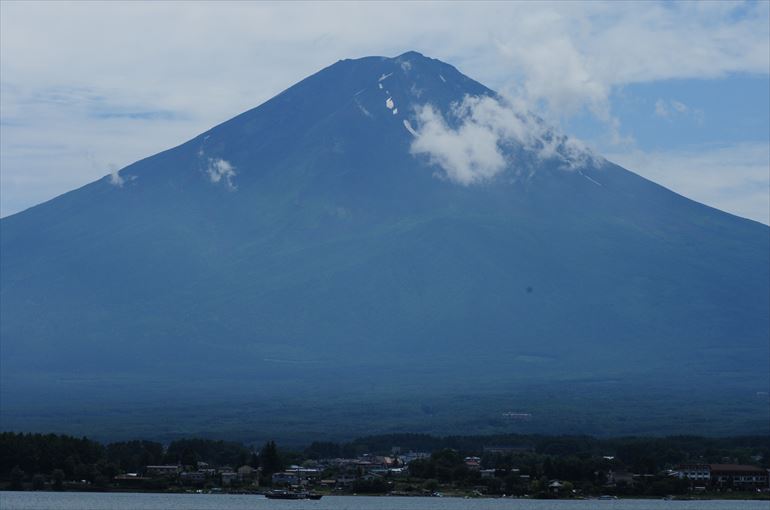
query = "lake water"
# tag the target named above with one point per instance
(128, 501)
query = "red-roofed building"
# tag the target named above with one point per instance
(725, 475)
(738, 475)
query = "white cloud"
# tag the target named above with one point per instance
(734, 178)
(566, 84)
(661, 110)
(680, 107)
(673, 108)
(475, 150)
(220, 170)
(571, 57)
(115, 178)
(467, 155)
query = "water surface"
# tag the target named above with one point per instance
(135, 501)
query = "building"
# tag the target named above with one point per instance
(131, 480)
(248, 474)
(556, 486)
(163, 471)
(725, 475)
(408, 457)
(306, 473)
(346, 479)
(228, 477)
(284, 478)
(472, 462)
(695, 472)
(192, 477)
(620, 477)
(738, 475)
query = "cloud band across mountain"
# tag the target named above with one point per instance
(480, 138)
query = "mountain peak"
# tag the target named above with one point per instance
(411, 53)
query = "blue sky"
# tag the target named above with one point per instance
(670, 114)
(678, 92)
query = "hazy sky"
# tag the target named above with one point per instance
(678, 92)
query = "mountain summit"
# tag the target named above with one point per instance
(385, 225)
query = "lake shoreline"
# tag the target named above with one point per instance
(738, 496)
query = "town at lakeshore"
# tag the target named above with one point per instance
(400, 464)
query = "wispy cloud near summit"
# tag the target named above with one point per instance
(488, 133)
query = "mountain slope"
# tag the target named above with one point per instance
(307, 244)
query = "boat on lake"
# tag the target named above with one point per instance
(285, 494)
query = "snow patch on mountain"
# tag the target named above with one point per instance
(363, 109)
(408, 126)
(590, 179)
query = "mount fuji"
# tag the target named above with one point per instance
(386, 245)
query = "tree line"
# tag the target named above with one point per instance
(518, 460)
(639, 454)
(61, 457)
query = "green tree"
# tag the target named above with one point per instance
(58, 479)
(374, 486)
(447, 462)
(422, 468)
(269, 459)
(189, 457)
(101, 481)
(17, 478)
(494, 485)
(431, 485)
(38, 482)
